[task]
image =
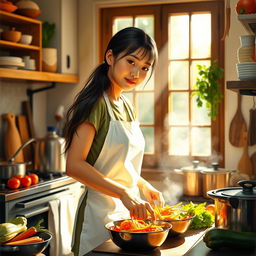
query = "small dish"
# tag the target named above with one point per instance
(26, 39)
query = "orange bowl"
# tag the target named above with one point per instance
(7, 7)
(12, 35)
(32, 13)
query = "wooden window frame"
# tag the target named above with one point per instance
(161, 159)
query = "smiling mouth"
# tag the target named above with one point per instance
(130, 81)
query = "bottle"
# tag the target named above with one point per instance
(50, 155)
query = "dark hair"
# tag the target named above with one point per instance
(126, 41)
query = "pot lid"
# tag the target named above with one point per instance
(216, 170)
(246, 191)
(194, 167)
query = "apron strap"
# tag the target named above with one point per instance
(110, 110)
(127, 107)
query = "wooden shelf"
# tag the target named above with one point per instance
(243, 87)
(37, 76)
(12, 45)
(249, 22)
(7, 18)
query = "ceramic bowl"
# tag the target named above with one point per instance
(26, 39)
(12, 35)
(32, 13)
(8, 7)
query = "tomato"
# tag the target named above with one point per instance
(26, 181)
(13, 183)
(34, 178)
(210, 208)
(246, 6)
(125, 225)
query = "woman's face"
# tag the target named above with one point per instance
(130, 71)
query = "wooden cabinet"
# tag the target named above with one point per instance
(245, 87)
(26, 26)
(34, 50)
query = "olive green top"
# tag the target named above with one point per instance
(100, 118)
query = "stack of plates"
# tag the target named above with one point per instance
(246, 70)
(11, 62)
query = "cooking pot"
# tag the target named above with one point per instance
(11, 168)
(236, 206)
(215, 177)
(192, 179)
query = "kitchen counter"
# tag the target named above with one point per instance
(189, 244)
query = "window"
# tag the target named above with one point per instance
(187, 34)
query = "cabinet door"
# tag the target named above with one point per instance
(64, 14)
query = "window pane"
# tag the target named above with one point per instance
(146, 23)
(178, 108)
(199, 115)
(122, 22)
(145, 107)
(178, 37)
(201, 35)
(178, 75)
(194, 70)
(179, 141)
(201, 141)
(148, 133)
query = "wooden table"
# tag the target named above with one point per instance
(176, 246)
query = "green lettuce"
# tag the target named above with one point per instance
(202, 219)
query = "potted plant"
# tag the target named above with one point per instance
(208, 88)
(49, 54)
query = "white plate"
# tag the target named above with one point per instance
(10, 58)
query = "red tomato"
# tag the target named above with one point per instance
(34, 178)
(18, 176)
(246, 6)
(210, 208)
(13, 183)
(26, 181)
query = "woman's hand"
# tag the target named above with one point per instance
(138, 208)
(151, 194)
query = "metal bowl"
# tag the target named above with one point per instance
(28, 249)
(179, 226)
(139, 241)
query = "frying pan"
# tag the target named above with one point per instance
(28, 249)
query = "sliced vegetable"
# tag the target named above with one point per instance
(30, 240)
(218, 238)
(10, 229)
(30, 232)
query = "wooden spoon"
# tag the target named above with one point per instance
(238, 126)
(245, 163)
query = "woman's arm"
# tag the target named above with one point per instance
(85, 173)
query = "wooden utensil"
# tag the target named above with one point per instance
(245, 163)
(24, 135)
(27, 111)
(252, 125)
(12, 140)
(253, 160)
(238, 126)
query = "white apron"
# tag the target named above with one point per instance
(120, 159)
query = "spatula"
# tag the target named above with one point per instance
(238, 126)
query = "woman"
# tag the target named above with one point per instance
(104, 143)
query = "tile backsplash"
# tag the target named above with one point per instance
(12, 93)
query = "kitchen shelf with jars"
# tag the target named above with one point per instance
(21, 50)
(246, 68)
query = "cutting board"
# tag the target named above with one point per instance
(24, 135)
(237, 126)
(173, 246)
(12, 140)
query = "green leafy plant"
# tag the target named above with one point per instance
(48, 30)
(208, 88)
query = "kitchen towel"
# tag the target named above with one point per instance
(53, 226)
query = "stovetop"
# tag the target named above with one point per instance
(46, 182)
